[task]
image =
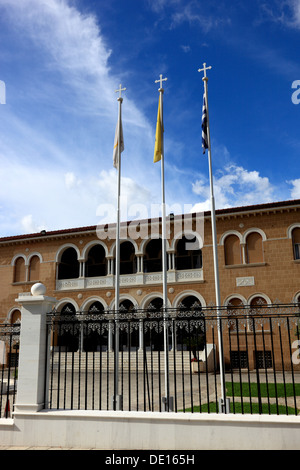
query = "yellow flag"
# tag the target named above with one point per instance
(158, 137)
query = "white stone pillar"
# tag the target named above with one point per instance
(244, 254)
(32, 367)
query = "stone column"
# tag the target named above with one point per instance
(32, 367)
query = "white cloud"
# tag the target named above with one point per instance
(234, 186)
(75, 47)
(186, 49)
(49, 167)
(71, 181)
(29, 225)
(295, 192)
(286, 13)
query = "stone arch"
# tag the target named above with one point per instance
(254, 299)
(228, 233)
(232, 250)
(14, 315)
(189, 234)
(186, 255)
(254, 247)
(86, 305)
(128, 260)
(231, 299)
(19, 255)
(189, 293)
(68, 334)
(20, 267)
(68, 262)
(145, 242)
(290, 230)
(95, 260)
(63, 248)
(65, 301)
(34, 262)
(253, 230)
(296, 299)
(295, 236)
(153, 255)
(148, 298)
(122, 298)
(90, 245)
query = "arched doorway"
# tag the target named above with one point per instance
(95, 334)
(153, 256)
(127, 258)
(129, 332)
(190, 328)
(68, 329)
(186, 258)
(153, 332)
(95, 265)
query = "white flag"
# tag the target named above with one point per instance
(119, 140)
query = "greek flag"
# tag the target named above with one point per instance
(204, 126)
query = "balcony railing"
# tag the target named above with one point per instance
(190, 275)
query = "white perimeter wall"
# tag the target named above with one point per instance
(150, 431)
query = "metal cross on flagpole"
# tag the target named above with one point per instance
(167, 401)
(119, 90)
(117, 399)
(160, 82)
(224, 404)
(204, 69)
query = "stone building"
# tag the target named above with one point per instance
(258, 253)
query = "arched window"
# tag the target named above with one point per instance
(127, 258)
(232, 250)
(96, 307)
(68, 267)
(254, 248)
(186, 258)
(258, 302)
(153, 256)
(15, 317)
(234, 302)
(96, 262)
(296, 242)
(20, 270)
(34, 269)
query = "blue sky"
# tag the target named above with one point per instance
(61, 62)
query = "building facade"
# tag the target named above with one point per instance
(258, 254)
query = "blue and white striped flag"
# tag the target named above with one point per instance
(204, 126)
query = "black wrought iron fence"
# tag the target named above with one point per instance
(9, 354)
(87, 370)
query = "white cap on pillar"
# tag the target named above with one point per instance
(38, 289)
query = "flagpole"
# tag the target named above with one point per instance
(224, 404)
(166, 400)
(117, 399)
